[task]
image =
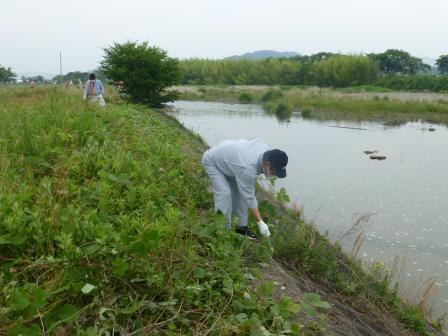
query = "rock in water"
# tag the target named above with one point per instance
(377, 157)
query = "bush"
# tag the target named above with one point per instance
(272, 94)
(146, 72)
(306, 113)
(245, 97)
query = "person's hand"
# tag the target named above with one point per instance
(264, 230)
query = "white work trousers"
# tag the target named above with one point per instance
(98, 99)
(227, 197)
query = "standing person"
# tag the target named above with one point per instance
(94, 90)
(233, 167)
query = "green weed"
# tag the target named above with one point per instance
(245, 97)
(105, 227)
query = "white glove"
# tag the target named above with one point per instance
(264, 230)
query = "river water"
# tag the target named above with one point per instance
(401, 202)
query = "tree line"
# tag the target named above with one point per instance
(147, 72)
(322, 69)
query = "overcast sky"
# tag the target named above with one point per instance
(33, 32)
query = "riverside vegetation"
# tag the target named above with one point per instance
(393, 69)
(106, 228)
(360, 103)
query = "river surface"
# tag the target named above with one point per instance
(402, 201)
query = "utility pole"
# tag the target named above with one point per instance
(60, 65)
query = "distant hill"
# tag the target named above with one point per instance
(261, 54)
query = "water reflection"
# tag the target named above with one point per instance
(332, 178)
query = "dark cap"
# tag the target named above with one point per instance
(277, 159)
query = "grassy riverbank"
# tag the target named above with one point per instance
(362, 104)
(106, 227)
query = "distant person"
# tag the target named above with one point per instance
(94, 90)
(31, 84)
(80, 83)
(233, 167)
(121, 89)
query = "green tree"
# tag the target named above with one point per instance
(77, 75)
(399, 61)
(6, 75)
(442, 64)
(146, 71)
(343, 71)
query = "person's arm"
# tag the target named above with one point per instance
(247, 191)
(256, 213)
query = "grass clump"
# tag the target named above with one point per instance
(306, 113)
(245, 97)
(280, 108)
(272, 94)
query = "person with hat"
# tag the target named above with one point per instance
(233, 166)
(94, 90)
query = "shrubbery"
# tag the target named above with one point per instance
(414, 83)
(146, 72)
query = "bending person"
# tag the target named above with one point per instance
(233, 167)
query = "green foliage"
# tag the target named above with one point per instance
(415, 83)
(414, 319)
(280, 108)
(6, 75)
(313, 301)
(146, 72)
(243, 72)
(442, 64)
(272, 94)
(330, 104)
(399, 69)
(245, 97)
(105, 226)
(306, 113)
(344, 71)
(324, 69)
(283, 196)
(394, 61)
